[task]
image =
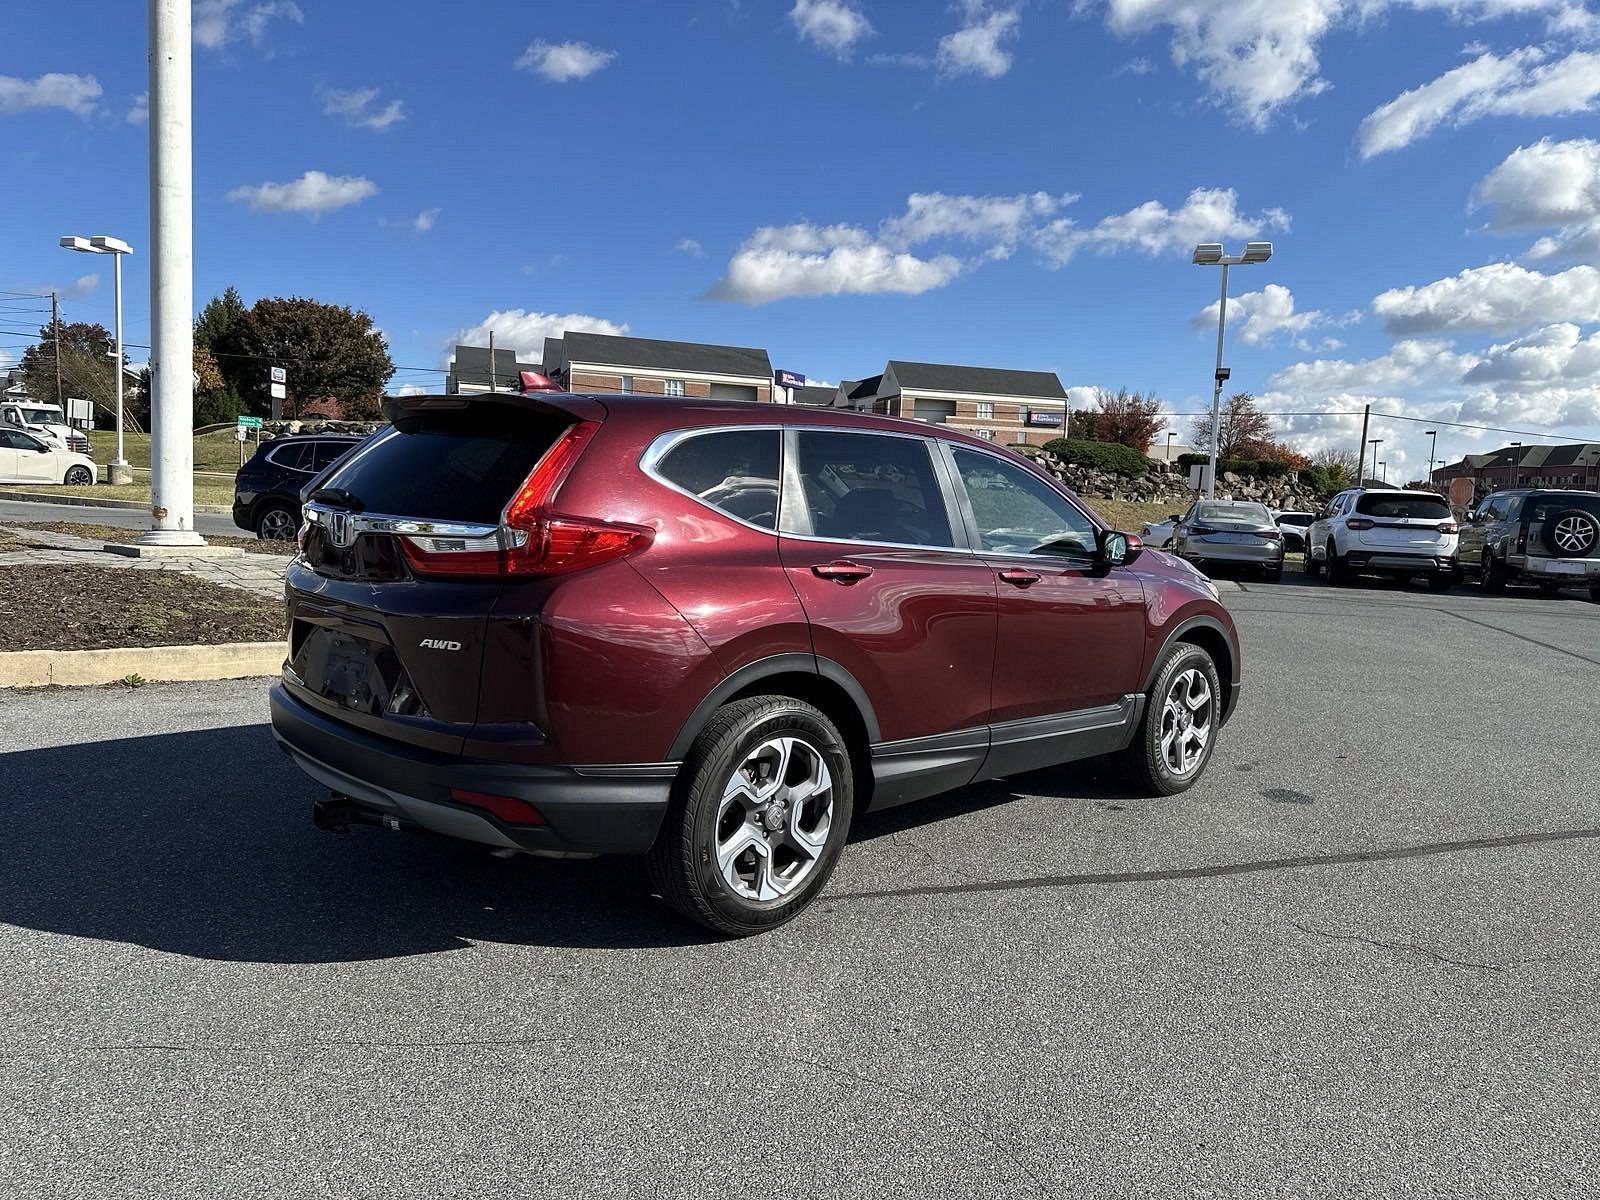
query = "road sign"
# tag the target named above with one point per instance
(248, 422)
(279, 391)
(280, 375)
(241, 433)
(1461, 492)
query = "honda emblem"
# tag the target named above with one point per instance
(341, 529)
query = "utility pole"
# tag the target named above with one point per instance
(171, 277)
(1361, 456)
(494, 380)
(55, 326)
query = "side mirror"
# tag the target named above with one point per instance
(1175, 518)
(1118, 549)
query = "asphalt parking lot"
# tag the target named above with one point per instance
(1358, 959)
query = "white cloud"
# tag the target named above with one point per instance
(1520, 83)
(804, 259)
(1136, 66)
(832, 25)
(1410, 364)
(780, 262)
(975, 48)
(83, 285)
(217, 23)
(1256, 318)
(1208, 214)
(562, 62)
(1577, 243)
(690, 247)
(1549, 184)
(525, 332)
(1498, 298)
(356, 109)
(1555, 354)
(139, 110)
(75, 93)
(315, 193)
(425, 219)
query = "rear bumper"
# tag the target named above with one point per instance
(1576, 570)
(1398, 563)
(1223, 552)
(588, 810)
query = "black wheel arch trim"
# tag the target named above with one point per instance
(768, 668)
(1230, 683)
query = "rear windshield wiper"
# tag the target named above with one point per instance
(337, 496)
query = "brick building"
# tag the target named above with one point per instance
(1005, 406)
(598, 362)
(1576, 466)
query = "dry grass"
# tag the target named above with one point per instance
(1130, 515)
(115, 533)
(206, 490)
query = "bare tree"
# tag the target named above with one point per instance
(1242, 422)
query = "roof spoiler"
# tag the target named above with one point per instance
(408, 410)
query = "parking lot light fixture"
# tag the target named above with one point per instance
(1211, 254)
(117, 470)
(1375, 443)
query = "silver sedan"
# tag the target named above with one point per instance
(1238, 532)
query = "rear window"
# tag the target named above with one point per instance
(1254, 513)
(448, 466)
(1542, 508)
(1421, 508)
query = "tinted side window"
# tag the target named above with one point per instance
(296, 456)
(325, 454)
(865, 487)
(1018, 513)
(735, 470)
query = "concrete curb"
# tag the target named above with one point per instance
(214, 510)
(163, 664)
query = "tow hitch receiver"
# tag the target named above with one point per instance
(336, 814)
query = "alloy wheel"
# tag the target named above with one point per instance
(1574, 534)
(277, 525)
(774, 819)
(1188, 714)
(78, 477)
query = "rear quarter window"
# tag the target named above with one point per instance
(733, 470)
(1415, 508)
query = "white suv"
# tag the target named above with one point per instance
(1384, 531)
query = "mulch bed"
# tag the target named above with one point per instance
(100, 608)
(113, 533)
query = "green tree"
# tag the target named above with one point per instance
(1339, 465)
(1242, 423)
(331, 352)
(213, 329)
(88, 365)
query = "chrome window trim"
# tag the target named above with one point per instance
(650, 464)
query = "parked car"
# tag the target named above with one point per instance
(1293, 526)
(1385, 531)
(1159, 533)
(712, 633)
(46, 422)
(1549, 538)
(25, 458)
(1232, 532)
(266, 492)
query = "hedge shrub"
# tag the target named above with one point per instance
(1104, 456)
(1255, 469)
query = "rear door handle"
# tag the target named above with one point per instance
(1019, 577)
(841, 571)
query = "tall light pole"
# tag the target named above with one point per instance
(171, 278)
(1171, 433)
(1383, 472)
(1209, 254)
(1374, 443)
(1516, 464)
(117, 470)
(1432, 447)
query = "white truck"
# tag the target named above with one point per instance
(45, 421)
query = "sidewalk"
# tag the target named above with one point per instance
(261, 574)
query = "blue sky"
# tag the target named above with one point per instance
(845, 181)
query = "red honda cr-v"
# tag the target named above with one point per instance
(712, 633)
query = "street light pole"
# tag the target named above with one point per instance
(171, 277)
(1209, 254)
(117, 470)
(1375, 443)
(1432, 455)
(1383, 472)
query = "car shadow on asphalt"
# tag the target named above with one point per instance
(201, 843)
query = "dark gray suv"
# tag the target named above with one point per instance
(1548, 538)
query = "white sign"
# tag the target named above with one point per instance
(241, 434)
(1197, 476)
(280, 375)
(279, 392)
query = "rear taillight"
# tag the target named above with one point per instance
(1200, 530)
(1522, 539)
(532, 539)
(1272, 535)
(1358, 524)
(1449, 527)
(508, 808)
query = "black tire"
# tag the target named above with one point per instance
(1311, 566)
(1491, 573)
(1144, 760)
(1571, 533)
(1594, 592)
(78, 476)
(683, 865)
(277, 523)
(1273, 574)
(1338, 572)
